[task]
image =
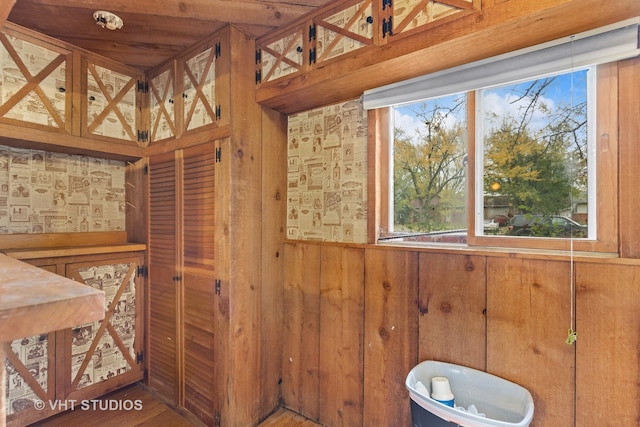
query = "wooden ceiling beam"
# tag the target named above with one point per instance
(238, 11)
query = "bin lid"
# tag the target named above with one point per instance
(504, 403)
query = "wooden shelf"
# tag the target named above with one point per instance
(35, 253)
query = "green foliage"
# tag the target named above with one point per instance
(540, 171)
(429, 171)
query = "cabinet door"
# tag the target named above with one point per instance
(283, 55)
(30, 389)
(199, 89)
(163, 276)
(110, 105)
(182, 285)
(409, 16)
(30, 364)
(199, 303)
(104, 355)
(342, 30)
(35, 87)
(161, 107)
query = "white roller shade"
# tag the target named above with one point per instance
(610, 43)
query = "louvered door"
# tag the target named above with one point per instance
(163, 290)
(199, 305)
(182, 278)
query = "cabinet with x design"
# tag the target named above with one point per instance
(53, 372)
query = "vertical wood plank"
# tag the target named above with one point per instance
(274, 189)
(528, 314)
(244, 162)
(341, 336)
(629, 125)
(606, 156)
(452, 309)
(301, 329)
(608, 345)
(391, 335)
(136, 196)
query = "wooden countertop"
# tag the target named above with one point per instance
(35, 301)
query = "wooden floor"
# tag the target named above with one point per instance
(153, 412)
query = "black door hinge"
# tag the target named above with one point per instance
(386, 3)
(312, 32)
(146, 169)
(218, 112)
(217, 50)
(143, 86)
(218, 154)
(258, 56)
(258, 77)
(143, 135)
(387, 27)
(218, 284)
(139, 357)
(143, 271)
(312, 56)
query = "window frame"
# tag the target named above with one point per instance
(606, 182)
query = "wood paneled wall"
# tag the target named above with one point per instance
(357, 319)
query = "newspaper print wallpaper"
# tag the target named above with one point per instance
(327, 174)
(43, 192)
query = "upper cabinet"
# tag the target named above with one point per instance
(341, 30)
(111, 100)
(51, 86)
(349, 27)
(161, 104)
(188, 94)
(334, 31)
(404, 17)
(199, 88)
(281, 55)
(35, 90)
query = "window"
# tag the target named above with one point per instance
(429, 167)
(536, 164)
(540, 127)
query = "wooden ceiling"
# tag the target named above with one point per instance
(154, 30)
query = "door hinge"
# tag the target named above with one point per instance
(258, 56)
(258, 77)
(139, 357)
(312, 32)
(143, 271)
(143, 86)
(218, 112)
(218, 50)
(387, 27)
(312, 56)
(146, 169)
(143, 135)
(216, 419)
(218, 154)
(218, 284)
(386, 3)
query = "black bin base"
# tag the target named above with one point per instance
(420, 417)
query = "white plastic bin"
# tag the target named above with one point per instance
(503, 403)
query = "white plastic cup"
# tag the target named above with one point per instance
(441, 391)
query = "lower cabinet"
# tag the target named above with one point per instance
(63, 370)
